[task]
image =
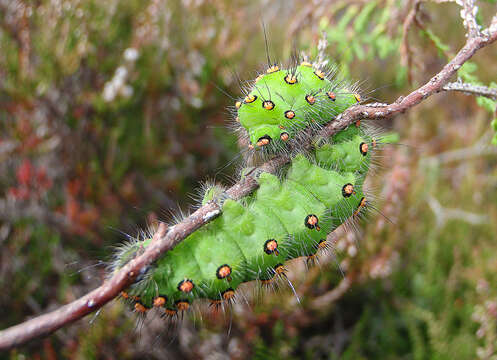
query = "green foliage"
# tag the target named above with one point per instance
(439, 45)
(365, 33)
(419, 319)
(361, 32)
(467, 73)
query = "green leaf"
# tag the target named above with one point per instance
(359, 51)
(364, 16)
(494, 124)
(486, 103)
(441, 47)
(466, 72)
(347, 17)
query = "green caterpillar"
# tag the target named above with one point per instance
(287, 217)
(282, 103)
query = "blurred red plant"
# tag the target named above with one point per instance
(32, 182)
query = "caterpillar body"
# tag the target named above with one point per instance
(286, 217)
(282, 103)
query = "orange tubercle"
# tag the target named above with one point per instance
(159, 301)
(185, 286)
(223, 271)
(139, 308)
(182, 305)
(319, 74)
(273, 69)
(228, 294)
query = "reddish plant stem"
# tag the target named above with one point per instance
(405, 49)
(165, 239)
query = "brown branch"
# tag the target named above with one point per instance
(166, 239)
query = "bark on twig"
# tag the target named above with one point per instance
(166, 239)
(471, 89)
(468, 14)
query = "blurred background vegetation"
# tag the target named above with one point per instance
(111, 112)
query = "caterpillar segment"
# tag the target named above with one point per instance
(283, 102)
(286, 218)
(353, 154)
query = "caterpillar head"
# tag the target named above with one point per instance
(282, 102)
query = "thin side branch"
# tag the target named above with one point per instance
(471, 89)
(468, 14)
(165, 239)
(332, 296)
